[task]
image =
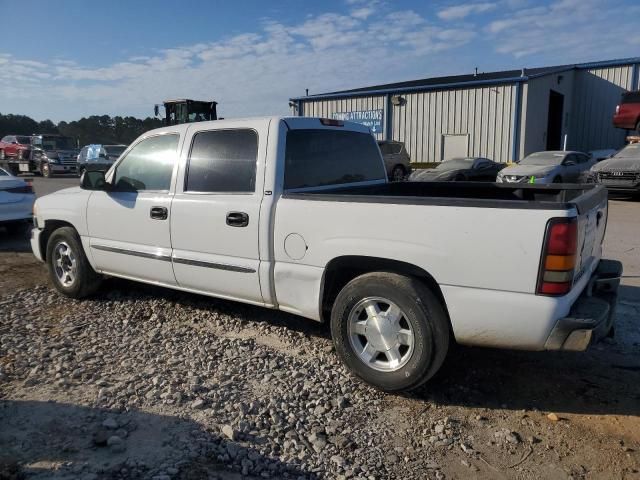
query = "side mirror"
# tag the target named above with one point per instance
(94, 180)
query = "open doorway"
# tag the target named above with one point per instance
(554, 121)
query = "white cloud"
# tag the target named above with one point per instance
(250, 73)
(566, 29)
(457, 12)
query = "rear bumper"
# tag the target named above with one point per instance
(592, 315)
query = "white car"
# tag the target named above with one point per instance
(297, 214)
(16, 199)
(548, 167)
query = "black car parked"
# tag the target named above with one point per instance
(472, 169)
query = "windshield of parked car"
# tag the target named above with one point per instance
(546, 159)
(3, 173)
(630, 151)
(24, 140)
(114, 151)
(56, 143)
(455, 164)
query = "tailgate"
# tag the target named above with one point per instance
(592, 224)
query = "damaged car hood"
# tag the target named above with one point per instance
(626, 164)
(527, 170)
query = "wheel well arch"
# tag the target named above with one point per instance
(50, 226)
(341, 270)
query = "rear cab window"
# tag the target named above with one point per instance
(316, 158)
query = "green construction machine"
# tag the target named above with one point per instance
(186, 111)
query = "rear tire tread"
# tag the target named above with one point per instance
(428, 318)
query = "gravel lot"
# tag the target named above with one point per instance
(143, 382)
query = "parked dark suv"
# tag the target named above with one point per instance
(628, 112)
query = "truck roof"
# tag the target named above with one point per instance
(292, 122)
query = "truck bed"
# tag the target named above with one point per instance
(467, 194)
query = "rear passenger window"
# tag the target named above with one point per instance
(223, 161)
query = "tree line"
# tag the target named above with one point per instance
(100, 129)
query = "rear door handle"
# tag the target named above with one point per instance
(237, 219)
(159, 213)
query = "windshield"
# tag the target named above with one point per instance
(24, 140)
(56, 143)
(115, 151)
(630, 151)
(455, 164)
(543, 158)
(3, 173)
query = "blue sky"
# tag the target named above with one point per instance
(72, 58)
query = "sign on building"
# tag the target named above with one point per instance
(368, 118)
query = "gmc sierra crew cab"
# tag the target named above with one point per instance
(297, 214)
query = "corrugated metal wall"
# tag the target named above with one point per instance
(597, 92)
(326, 108)
(485, 114)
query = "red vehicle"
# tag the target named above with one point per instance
(14, 148)
(628, 112)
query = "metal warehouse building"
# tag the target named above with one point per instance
(500, 115)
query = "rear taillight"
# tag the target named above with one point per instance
(26, 189)
(558, 257)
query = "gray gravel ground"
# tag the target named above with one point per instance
(143, 382)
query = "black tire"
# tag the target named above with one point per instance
(13, 169)
(421, 310)
(398, 173)
(557, 179)
(637, 132)
(45, 170)
(86, 280)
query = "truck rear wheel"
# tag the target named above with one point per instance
(45, 170)
(390, 330)
(13, 169)
(69, 269)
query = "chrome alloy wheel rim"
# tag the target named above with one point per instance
(380, 334)
(65, 264)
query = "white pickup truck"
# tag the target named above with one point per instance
(297, 214)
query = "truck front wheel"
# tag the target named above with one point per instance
(390, 330)
(69, 270)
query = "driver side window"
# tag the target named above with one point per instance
(148, 165)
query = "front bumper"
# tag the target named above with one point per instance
(35, 243)
(592, 316)
(63, 167)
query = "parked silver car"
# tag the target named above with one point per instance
(548, 167)
(396, 159)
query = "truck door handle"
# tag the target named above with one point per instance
(159, 213)
(237, 219)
